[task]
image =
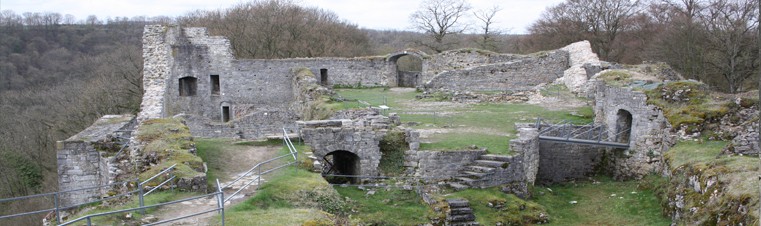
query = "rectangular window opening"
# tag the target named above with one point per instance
(214, 84)
(225, 114)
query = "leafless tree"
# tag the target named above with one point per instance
(730, 43)
(439, 19)
(488, 31)
(600, 21)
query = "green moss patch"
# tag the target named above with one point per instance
(616, 77)
(730, 181)
(687, 104)
(392, 148)
(169, 141)
(296, 188)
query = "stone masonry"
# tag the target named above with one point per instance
(82, 165)
(360, 137)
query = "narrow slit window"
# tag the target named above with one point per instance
(324, 77)
(225, 113)
(214, 84)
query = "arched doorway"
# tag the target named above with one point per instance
(623, 126)
(340, 163)
(409, 68)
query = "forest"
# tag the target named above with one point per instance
(58, 74)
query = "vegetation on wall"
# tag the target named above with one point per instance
(168, 142)
(715, 188)
(392, 148)
(688, 104)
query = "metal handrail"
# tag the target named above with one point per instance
(136, 208)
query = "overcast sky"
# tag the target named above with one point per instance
(376, 14)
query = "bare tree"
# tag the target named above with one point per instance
(600, 21)
(730, 26)
(439, 19)
(488, 31)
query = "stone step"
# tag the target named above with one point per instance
(482, 169)
(466, 180)
(458, 203)
(489, 163)
(460, 211)
(474, 175)
(458, 186)
(500, 158)
(470, 223)
(461, 218)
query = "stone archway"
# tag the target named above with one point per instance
(341, 163)
(408, 67)
(623, 126)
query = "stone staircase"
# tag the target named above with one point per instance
(460, 213)
(479, 170)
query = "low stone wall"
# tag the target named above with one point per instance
(255, 125)
(82, 165)
(561, 162)
(439, 165)
(518, 75)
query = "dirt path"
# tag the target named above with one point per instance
(236, 161)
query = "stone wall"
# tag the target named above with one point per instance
(157, 64)
(576, 77)
(517, 75)
(650, 135)
(82, 165)
(252, 89)
(360, 137)
(562, 162)
(460, 59)
(439, 165)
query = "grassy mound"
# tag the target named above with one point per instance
(726, 194)
(296, 188)
(168, 142)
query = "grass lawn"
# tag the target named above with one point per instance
(456, 126)
(386, 207)
(605, 203)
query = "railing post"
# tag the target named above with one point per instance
(140, 196)
(599, 137)
(259, 177)
(57, 212)
(89, 222)
(222, 200)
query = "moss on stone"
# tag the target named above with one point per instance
(725, 187)
(169, 140)
(687, 104)
(617, 78)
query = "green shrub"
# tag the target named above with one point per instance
(392, 148)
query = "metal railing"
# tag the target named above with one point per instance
(292, 152)
(220, 208)
(221, 200)
(593, 134)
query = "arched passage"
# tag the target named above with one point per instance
(341, 163)
(623, 126)
(409, 67)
